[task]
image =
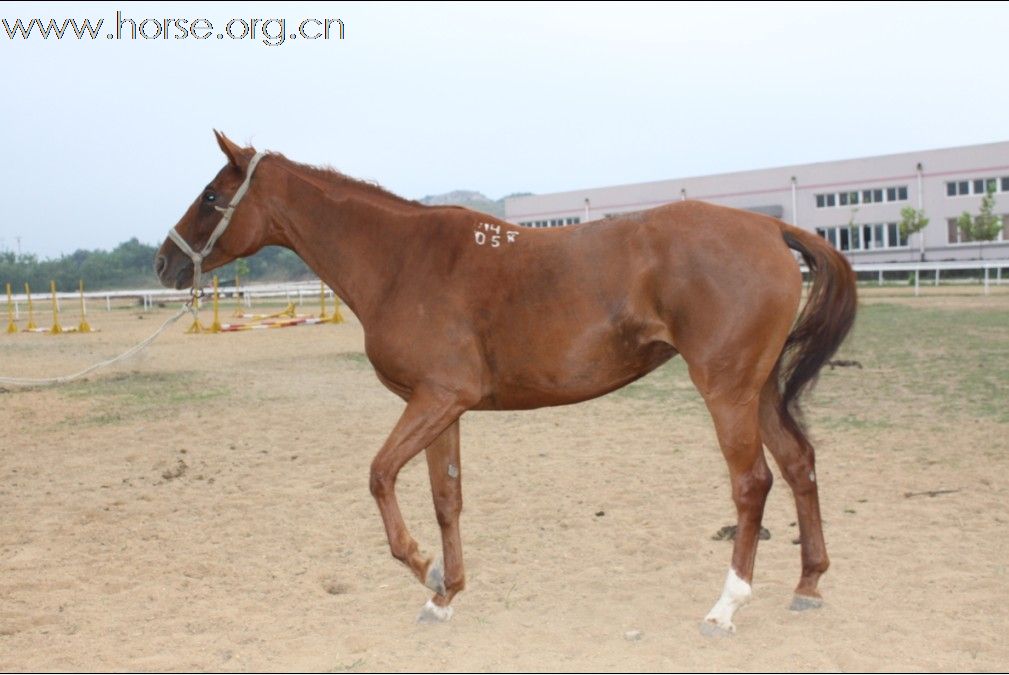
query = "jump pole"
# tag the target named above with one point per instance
(83, 326)
(56, 329)
(11, 326)
(31, 309)
(322, 300)
(337, 317)
(238, 296)
(197, 327)
(215, 327)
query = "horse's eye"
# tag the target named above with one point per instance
(210, 197)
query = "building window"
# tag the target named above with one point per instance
(866, 237)
(896, 193)
(977, 186)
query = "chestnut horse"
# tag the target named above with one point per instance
(463, 311)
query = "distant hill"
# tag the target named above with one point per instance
(471, 199)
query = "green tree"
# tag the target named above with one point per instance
(130, 265)
(986, 225)
(912, 221)
(242, 268)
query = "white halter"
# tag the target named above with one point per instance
(228, 212)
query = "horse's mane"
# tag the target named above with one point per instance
(329, 178)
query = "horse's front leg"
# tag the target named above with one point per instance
(429, 412)
(447, 577)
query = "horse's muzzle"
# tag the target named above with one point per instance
(177, 276)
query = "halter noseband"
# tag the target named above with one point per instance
(228, 212)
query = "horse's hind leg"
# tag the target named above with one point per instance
(446, 577)
(795, 457)
(738, 428)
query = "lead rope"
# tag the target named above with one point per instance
(63, 379)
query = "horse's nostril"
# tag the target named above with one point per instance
(159, 264)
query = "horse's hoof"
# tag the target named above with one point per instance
(713, 630)
(432, 613)
(436, 578)
(800, 603)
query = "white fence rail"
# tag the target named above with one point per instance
(989, 272)
(148, 297)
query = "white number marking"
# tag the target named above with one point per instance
(490, 233)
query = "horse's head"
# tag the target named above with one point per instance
(244, 234)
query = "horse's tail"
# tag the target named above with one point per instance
(822, 325)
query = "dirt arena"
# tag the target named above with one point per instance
(206, 507)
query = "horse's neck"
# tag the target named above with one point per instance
(349, 240)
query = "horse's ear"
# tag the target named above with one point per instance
(229, 148)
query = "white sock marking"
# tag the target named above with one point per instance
(735, 594)
(432, 612)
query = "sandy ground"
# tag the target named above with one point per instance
(206, 508)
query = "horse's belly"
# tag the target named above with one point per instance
(569, 379)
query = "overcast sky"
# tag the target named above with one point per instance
(110, 139)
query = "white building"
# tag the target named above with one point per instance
(855, 203)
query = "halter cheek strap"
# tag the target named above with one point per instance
(228, 212)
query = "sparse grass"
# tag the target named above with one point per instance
(347, 667)
(668, 383)
(128, 395)
(955, 360)
(355, 358)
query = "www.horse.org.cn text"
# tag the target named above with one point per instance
(271, 32)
